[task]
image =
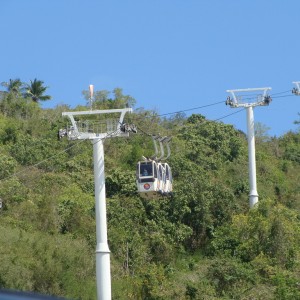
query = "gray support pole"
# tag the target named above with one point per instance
(253, 196)
(103, 277)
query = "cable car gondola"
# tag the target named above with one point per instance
(149, 178)
(152, 176)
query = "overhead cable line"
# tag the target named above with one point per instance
(51, 157)
(205, 121)
(189, 109)
(219, 102)
(238, 111)
(288, 91)
(283, 96)
(37, 164)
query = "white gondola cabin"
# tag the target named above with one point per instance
(148, 177)
(153, 178)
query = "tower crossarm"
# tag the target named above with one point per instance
(236, 98)
(77, 132)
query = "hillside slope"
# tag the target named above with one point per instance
(203, 242)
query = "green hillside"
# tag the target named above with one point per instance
(202, 242)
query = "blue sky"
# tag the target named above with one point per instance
(170, 55)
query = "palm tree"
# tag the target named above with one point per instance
(36, 91)
(13, 86)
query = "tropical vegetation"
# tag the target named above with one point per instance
(202, 242)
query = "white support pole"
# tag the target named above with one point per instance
(264, 99)
(103, 277)
(253, 196)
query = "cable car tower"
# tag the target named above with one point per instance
(96, 127)
(261, 99)
(296, 90)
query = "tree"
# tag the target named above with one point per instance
(261, 132)
(297, 121)
(13, 103)
(102, 100)
(13, 86)
(36, 90)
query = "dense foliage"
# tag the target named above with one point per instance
(203, 242)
